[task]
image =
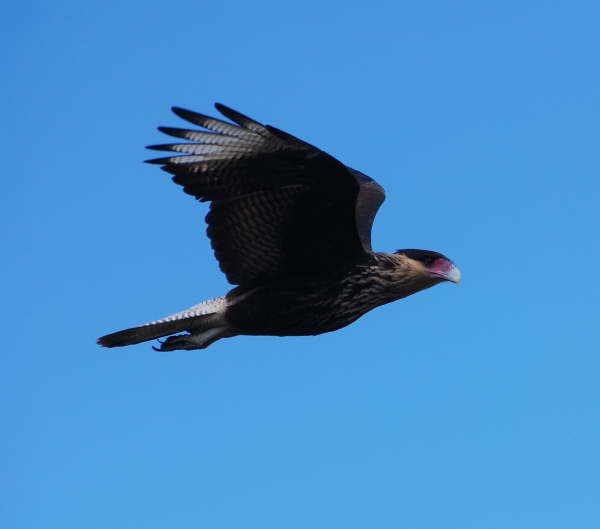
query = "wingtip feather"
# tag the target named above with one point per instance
(183, 113)
(155, 161)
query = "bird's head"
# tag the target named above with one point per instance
(431, 265)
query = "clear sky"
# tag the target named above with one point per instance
(469, 407)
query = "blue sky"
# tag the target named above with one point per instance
(470, 407)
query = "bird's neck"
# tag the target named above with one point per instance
(395, 277)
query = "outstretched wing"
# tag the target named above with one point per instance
(278, 205)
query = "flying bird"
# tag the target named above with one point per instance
(291, 227)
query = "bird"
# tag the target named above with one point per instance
(290, 226)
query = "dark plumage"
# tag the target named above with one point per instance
(291, 226)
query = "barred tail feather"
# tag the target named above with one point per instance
(152, 331)
(201, 317)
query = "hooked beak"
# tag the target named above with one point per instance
(453, 275)
(446, 270)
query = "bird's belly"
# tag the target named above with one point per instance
(296, 312)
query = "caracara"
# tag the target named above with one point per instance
(291, 227)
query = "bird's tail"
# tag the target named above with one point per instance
(196, 320)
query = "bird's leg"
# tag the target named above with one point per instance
(195, 340)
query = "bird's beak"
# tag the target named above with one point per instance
(453, 275)
(446, 270)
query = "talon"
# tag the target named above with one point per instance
(188, 341)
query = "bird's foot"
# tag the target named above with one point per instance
(179, 341)
(195, 340)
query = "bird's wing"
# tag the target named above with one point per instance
(278, 205)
